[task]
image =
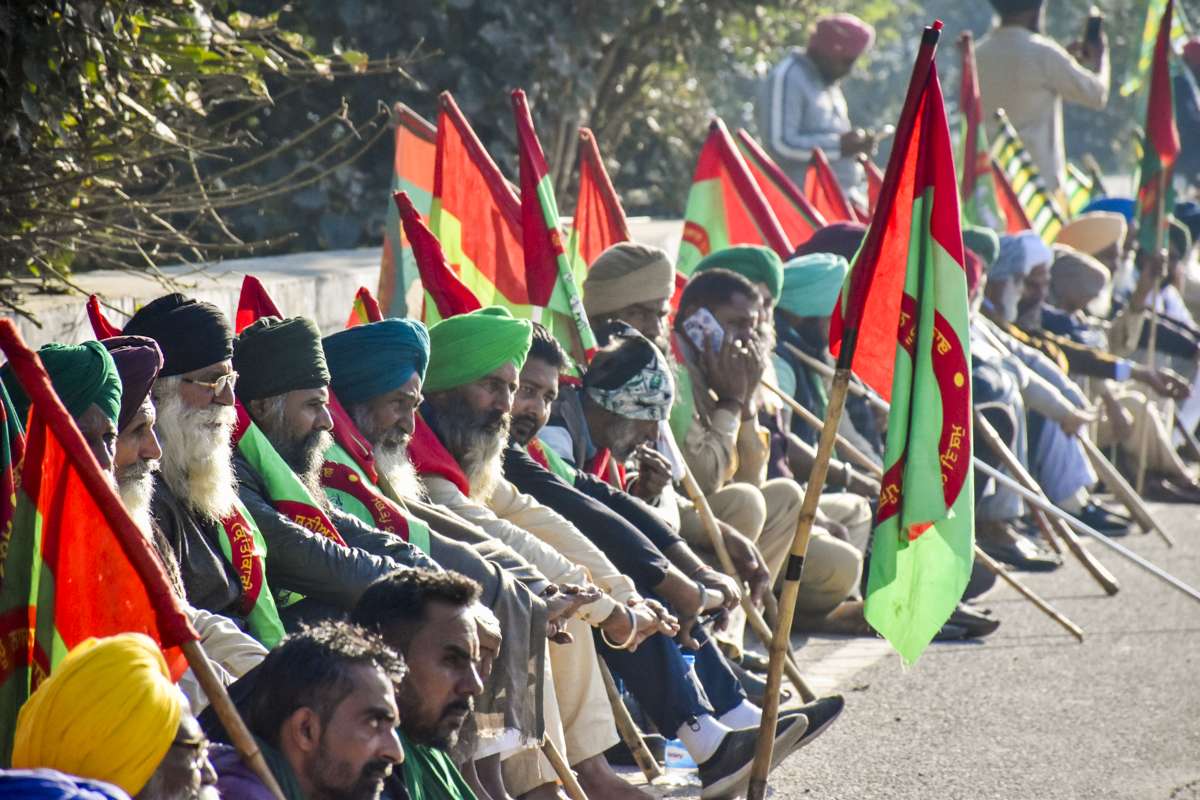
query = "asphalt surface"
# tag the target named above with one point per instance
(1029, 712)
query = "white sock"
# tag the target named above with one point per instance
(702, 737)
(743, 715)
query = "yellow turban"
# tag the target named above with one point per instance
(626, 274)
(1093, 232)
(108, 712)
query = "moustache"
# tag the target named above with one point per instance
(494, 420)
(458, 707)
(377, 770)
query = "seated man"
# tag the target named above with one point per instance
(110, 712)
(324, 714)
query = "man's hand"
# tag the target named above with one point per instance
(1118, 416)
(653, 474)
(732, 372)
(562, 602)
(1076, 420)
(645, 619)
(1166, 382)
(748, 562)
(856, 141)
(863, 486)
(731, 593)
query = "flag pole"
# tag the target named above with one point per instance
(1000, 572)
(794, 568)
(1152, 336)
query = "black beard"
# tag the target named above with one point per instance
(523, 429)
(442, 734)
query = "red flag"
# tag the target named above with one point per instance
(412, 171)
(599, 218)
(823, 190)
(450, 295)
(874, 182)
(799, 218)
(253, 303)
(365, 309)
(868, 317)
(1161, 132)
(100, 325)
(1015, 218)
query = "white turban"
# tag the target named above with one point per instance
(1019, 254)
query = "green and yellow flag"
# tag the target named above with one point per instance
(1014, 161)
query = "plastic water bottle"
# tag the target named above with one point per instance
(678, 761)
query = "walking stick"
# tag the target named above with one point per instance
(1000, 572)
(1152, 337)
(563, 770)
(1120, 487)
(630, 735)
(227, 712)
(851, 452)
(1189, 438)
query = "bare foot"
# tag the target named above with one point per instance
(547, 791)
(599, 781)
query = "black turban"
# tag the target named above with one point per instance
(840, 238)
(192, 334)
(275, 356)
(138, 361)
(1006, 7)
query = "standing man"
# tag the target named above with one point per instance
(1029, 76)
(804, 107)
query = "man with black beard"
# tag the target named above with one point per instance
(429, 618)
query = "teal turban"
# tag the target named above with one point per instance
(812, 283)
(467, 347)
(983, 242)
(757, 264)
(81, 374)
(369, 360)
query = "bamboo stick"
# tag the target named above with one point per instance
(1124, 492)
(563, 770)
(999, 571)
(1152, 337)
(629, 732)
(851, 452)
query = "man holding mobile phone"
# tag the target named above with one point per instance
(1030, 75)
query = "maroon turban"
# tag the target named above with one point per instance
(974, 268)
(839, 238)
(1191, 53)
(841, 35)
(138, 361)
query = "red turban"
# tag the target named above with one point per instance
(841, 35)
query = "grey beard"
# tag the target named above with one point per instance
(305, 456)
(197, 461)
(478, 451)
(135, 484)
(393, 464)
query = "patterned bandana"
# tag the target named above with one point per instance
(631, 380)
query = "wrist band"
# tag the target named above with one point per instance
(632, 632)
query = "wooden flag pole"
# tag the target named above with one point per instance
(563, 770)
(227, 712)
(630, 735)
(1152, 337)
(1117, 484)
(1000, 572)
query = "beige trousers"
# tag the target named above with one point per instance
(1161, 457)
(579, 719)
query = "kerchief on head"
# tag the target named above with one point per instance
(81, 374)
(1093, 232)
(841, 35)
(1019, 254)
(630, 377)
(754, 262)
(138, 360)
(840, 238)
(369, 360)
(109, 711)
(466, 347)
(812, 283)
(625, 274)
(275, 356)
(983, 242)
(191, 333)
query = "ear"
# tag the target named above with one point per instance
(302, 730)
(255, 407)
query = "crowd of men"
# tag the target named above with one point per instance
(495, 527)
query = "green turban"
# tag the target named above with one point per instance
(467, 347)
(757, 264)
(983, 242)
(812, 283)
(81, 374)
(275, 356)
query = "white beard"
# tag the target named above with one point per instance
(136, 487)
(401, 475)
(197, 461)
(484, 467)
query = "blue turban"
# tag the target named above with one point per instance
(81, 374)
(34, 784)
(1124, 206)
(369, 360)
(812, 283)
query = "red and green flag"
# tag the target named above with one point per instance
(548, 271)
(445, 294)
(874, 183)
(1155, 195)
(822, 189)
(798, 217)
(253, 303)
(365, 309)
(977, 188)
(599, 221)
(412, 172)
(903, 313)
(75, 564)
(725, 207)
(100, 324)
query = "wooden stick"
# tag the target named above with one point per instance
(848, 450)
(227, 712)
(1152, 337)
(1124, 492)
(1013, 464)
(630, 735)
(999, 571)
(1047, 530)
(1189, 438)
(563, 770)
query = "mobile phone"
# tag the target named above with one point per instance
(703, 327)
(1095, 22)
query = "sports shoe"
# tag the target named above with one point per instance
(727, 772)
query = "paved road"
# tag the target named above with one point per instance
(1030, 713)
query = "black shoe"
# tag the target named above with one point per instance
(950, 633)
(1104, 521)
(820, 713)
(1019, 552)
(619, 755)
(754, 662)
(756, 687)
(982, 581)
(727, 772)
(976, 624)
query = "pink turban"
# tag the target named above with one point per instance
(1191, 53)
(841, 35)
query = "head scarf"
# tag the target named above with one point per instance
(840, 36)
(1191, 53)
(630, 378)
(467, 347)
(840, 238)
(109, 711)
(1076, 273)
(1124, 206)
(47, 784)
(138, 361)
(81, 374)
(983, 242)
(1188, 212)
(369, 360)
(625, 274)
(811, 284)
(275, 356)
(1019, 254)
(757, 264)
(192, 334)
(1093, 232)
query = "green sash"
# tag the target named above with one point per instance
(349, 488)
(246, 550)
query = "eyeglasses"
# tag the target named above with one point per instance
(217, 387)
(195, 749)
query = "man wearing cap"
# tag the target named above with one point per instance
(1029, 76)
(803, 107)
(110, 712)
